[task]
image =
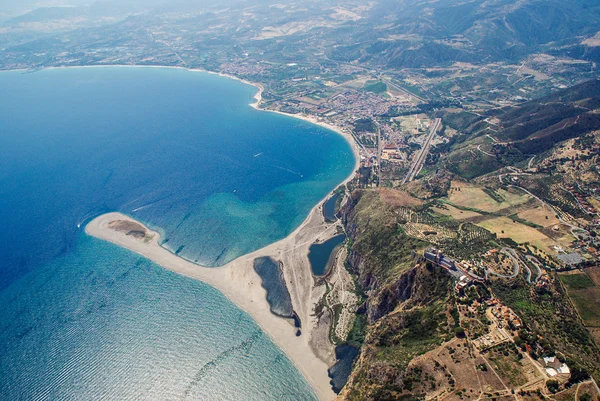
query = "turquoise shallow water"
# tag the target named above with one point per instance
(104, 323)
(181, 151)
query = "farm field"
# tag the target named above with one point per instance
(594, 274)
(356, 83)
(585, 294)
(539, 215)
(504, 227)
(474, 197)
(375, 87)
(455, 213)
(396, 198)
(415, 124)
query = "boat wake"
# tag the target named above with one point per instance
(288, 170)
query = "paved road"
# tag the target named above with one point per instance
(558, 212)
(401, 89)
(422, 155)
(515, 259)
(537, 265)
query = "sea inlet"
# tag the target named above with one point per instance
(182, 152)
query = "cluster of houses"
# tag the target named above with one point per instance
(583, 203)
(543, 281)
(587, 243)
(391, 151)
(504, 314)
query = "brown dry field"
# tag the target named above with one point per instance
(520, 233)
(396, 198)
(594, 273)
(563, 232)
(455, 213)
(466, 396)
(489, 381)
(566, 395)
(513, 372)
(472, 196)
(587, 388)
(426, 363)
(595, 203)
(538, 214)
(532, 397)
(355, 83)
(463, 371)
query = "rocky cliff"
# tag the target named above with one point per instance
(407, 304)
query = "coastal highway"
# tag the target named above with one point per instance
(422, 154)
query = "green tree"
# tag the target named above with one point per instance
(552, 386)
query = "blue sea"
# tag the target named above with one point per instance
(184, 153)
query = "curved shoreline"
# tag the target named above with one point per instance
(239, 282)
(256, 105)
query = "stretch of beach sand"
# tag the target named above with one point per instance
(312, 352)
(241, 284)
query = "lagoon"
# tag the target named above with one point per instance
(182, 152)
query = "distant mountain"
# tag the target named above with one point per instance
(529, 129)
(89, 10)
(412, 34)
(393, 34)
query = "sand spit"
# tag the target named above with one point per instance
(312, 352)
(239, 282)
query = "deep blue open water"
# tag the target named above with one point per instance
(182, 152)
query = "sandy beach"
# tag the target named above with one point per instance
(312, 352)
(241, 284)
